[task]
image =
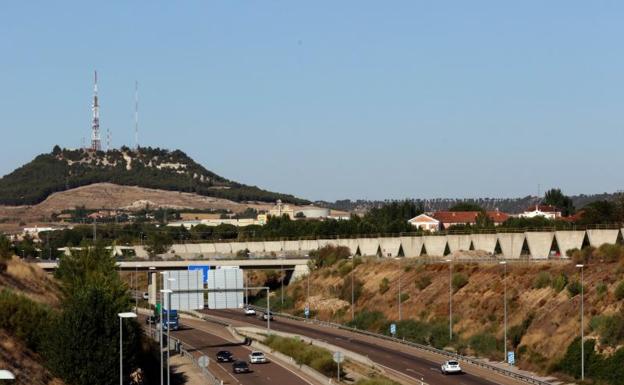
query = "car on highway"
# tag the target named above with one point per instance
(267, 316)
(240, 367)
(145, 295)
(225, 356)
(257, 358)
(249, 311)
(450, 367)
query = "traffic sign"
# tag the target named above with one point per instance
(338, 357)
(511, 359)
(393, 329)
(203, 361)
(306, 311)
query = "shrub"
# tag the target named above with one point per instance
(345, 289)
(458, 281)
(344, 269)
(384, 286)
(542, 280)
(516, 332)
(423, 281)
(376, 381)
(328, 255)
(574, 288)
(317, 358)
(601, 289)
(610, 328)
(368, 320)
(619, 291)
(559, 282)
(404, 297)
(610, 252)
(483, 343)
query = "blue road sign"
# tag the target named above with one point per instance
(203, 268)
(511, 358)
(393, 329)
(306, 311)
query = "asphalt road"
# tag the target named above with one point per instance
(207, 339)
(392, 355)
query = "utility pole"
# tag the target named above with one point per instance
(582, 332)
(504, 263)
(450, 298)
(400, 315)
(94, 230)
(352, 295)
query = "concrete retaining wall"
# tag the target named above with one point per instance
(435, 245)
(193, 248)
(238, 246)
(368, 246)
(223, 248)
(307, 245)
(255, 247)
(539, 244)
(511, 244)
(484, 242)
(207, 248)
(352, 244)
(272, 247)
(290, 246)
(179, 249)
(568, 240)
(390, 246)
(599, 237)
(412, 246)
(458, 242)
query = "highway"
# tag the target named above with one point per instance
(394, 356)
(208, 338)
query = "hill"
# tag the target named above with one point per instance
(155, 168)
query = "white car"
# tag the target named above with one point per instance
(450, 367)
(257, 358)
(249, 311)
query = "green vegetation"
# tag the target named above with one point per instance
(404, 297)
(376, 381)
(599, 368)
(345, 289)
(423, 282)
(65, 169)
(516, 332)
(574, 288)
(384, 286)
(542, 280)
(559, 282)
(317, 358)
(466, 206)
(610, 328)
(484, 344)
(328, 256)
(619, 291)
(554, 197)
(458, 281)
(368, 320)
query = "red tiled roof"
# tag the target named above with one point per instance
(467, 216)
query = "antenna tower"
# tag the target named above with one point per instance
(136, 115)
(108, 139)
(96, 144)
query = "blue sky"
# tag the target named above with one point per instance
(331, 100)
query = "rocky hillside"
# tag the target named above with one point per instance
(543, 304)
(155, 168)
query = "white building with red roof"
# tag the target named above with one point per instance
(546, 211)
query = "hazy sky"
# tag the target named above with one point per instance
(331, 99)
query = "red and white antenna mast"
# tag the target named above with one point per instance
(96, 144)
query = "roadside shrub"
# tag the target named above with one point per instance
(483, 343)
(317, 358)
(516, 332)
(423, 281)
(384, 286)
(376, 381)
(458, 281)
(559, 282)
(328, 255)
(404, 297)
(582, 256)
(368, 320)
(345, 289)
(542, 280)
(344, 269)
(619, 291)
(609, 252)
(610, 328)
(574, 288)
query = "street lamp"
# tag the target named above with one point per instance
(136, 288)
(170, 280)
(450, 298)
(121, 317)
(6, 375)
(168, 303)
(400, 315)
(352, 292)
(582, 336)
(504, 263)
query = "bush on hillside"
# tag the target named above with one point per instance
(581, 256)
(483, 344)
(601, 289)
(376, 381)
(610, 328)
(542, 280)
(345, 289)
(384, 286)
(619, 291)
(368, 320)
(458, 281)
(404, 297)
(574, 288)
(559, 282)
(609, 252)
(313, 356)
(435, 333)
(328, 255)
(6, 249)
(516, 332)
(423, 281)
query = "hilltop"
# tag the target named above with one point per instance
(154, 168)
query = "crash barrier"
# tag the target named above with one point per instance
(431, 349)
(185, 350)
(507, 243)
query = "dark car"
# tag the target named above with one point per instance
(225, 356)
(240, 367)
(152, 319)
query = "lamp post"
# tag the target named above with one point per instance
(504, 263)
(581, 266)
(282, 281)
(268, 313)
(168, 303)
(170, 280)
(450, 262)
(352, 294)
(400, 315)
(121, 317)
(136, 288)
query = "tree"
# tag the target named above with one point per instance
(555, 197)
(601, 212)
(483, 220)
(6, 250)
(84, 338)
(158, 242)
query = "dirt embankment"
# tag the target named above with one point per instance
(477, 306)
(29, 280)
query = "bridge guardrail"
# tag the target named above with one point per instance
(431, 349)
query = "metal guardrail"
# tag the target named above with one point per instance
(184, 349)
(431, 349)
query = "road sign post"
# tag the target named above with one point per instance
(203, 361)
(338, 359)
(393, 330)
(306, 311)
(511, 359)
